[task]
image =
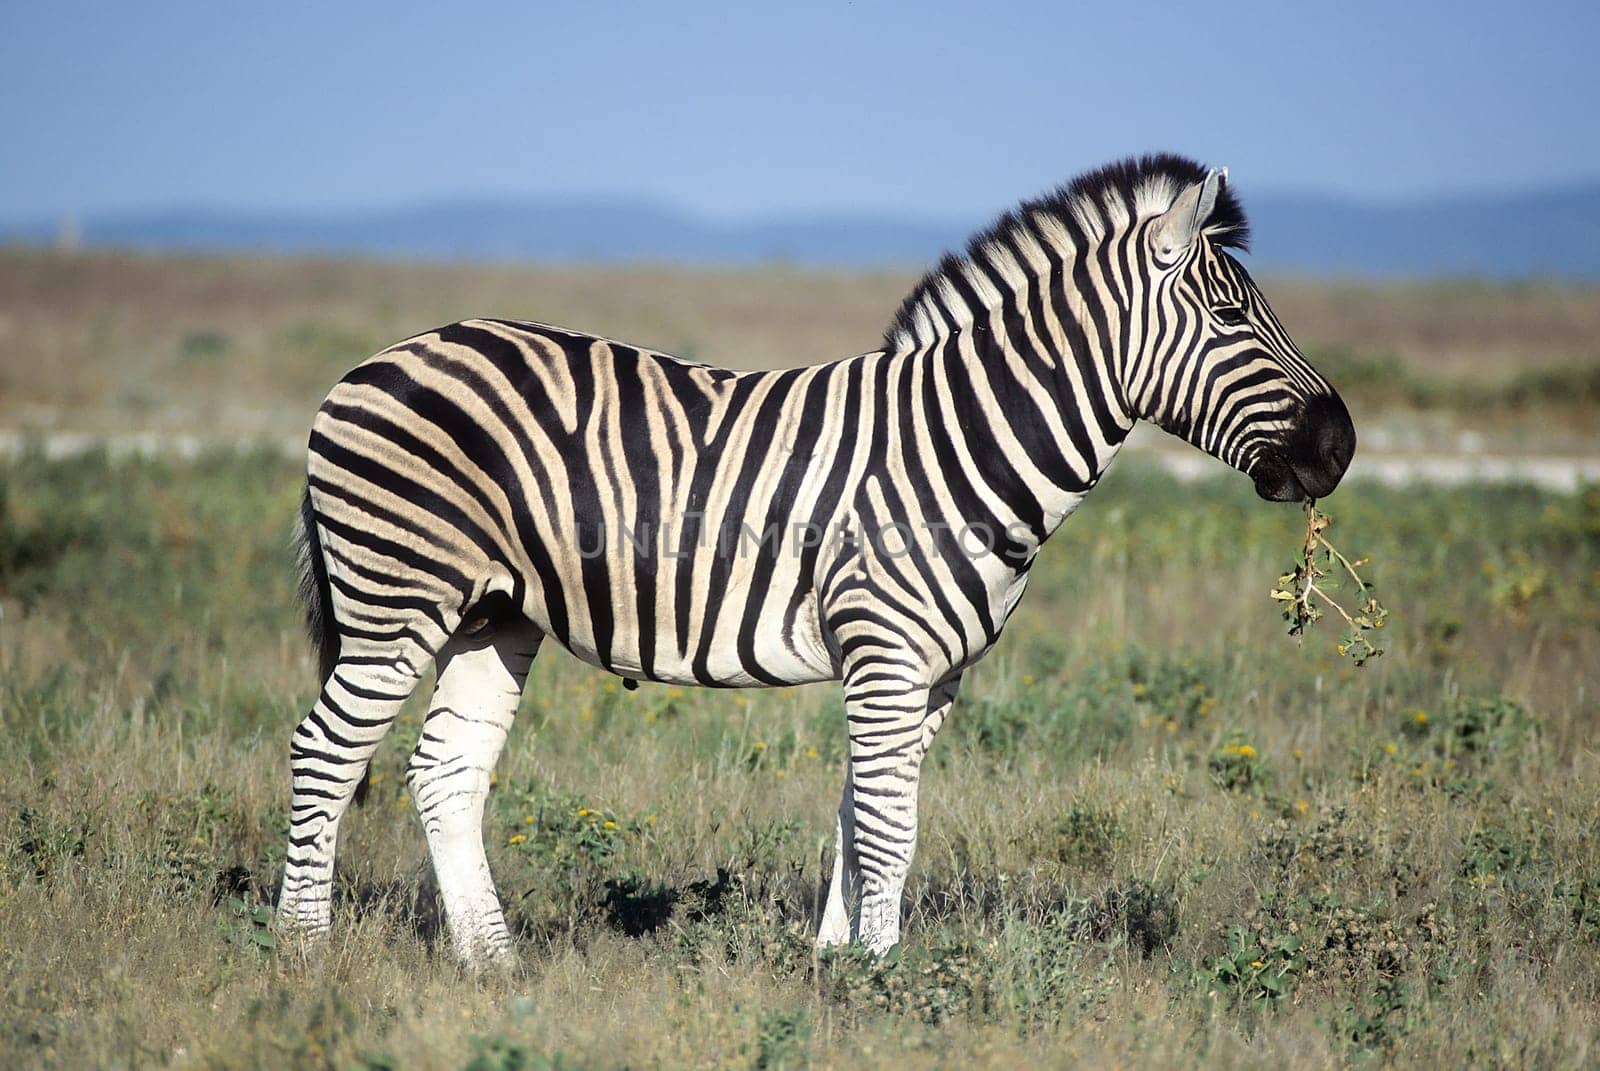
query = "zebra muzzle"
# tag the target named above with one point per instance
(1314, 456)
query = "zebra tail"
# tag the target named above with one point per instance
(316, 597)
(315, 593)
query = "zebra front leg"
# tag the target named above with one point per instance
(328, 756)
(891, 727)
(480, 685)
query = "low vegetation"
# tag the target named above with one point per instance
(1383, 379)
(224, 347)
(1156, 830)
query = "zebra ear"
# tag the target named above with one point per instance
(1176, 229)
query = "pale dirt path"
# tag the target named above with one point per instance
(1564, 473)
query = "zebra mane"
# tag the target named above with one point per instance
(1096, 205)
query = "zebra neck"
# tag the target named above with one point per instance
(1038, 413)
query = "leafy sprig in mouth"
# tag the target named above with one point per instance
(1320, 570)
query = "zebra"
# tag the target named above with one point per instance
(479, 488)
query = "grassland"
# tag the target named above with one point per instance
(1156, 829)
(1157, 832)
(247, 347)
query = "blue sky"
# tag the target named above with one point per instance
(933, 109)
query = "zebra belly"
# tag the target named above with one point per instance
(754, 641)
(783, 658)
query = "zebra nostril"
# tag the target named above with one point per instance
(1321, 446)
(1332, 438)
(1333, 448)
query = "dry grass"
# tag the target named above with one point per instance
(1092, 845)
(1478, 330)
(247, 347)
(1144, 783)
(120, 341)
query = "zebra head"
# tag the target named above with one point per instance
(1212, 364)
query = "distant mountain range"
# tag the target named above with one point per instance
(1550, 233)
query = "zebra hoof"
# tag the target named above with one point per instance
(482, 956)
(306, 926)
(501, 963)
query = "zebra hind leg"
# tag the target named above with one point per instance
(845, 887)
(481, 676)
(328, 757)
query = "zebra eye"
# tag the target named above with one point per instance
(1230, 315)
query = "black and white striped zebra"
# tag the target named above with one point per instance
(478, 488)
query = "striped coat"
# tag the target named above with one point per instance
(477, 489)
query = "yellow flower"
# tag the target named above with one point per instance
(1340, 648)
(1172, 725)
(1138, 689)
(811, 752)
(610, 688)
(1027, 680)
(761, 745)
(1391, 748)
(583, 812)
(610, 824)
(1420, 717)
(1417, 772)
(518, 838)
(649, 819)
(1302, 806)
(1257, 964)
(527, 820)
(1298, 754)
(674, 693)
